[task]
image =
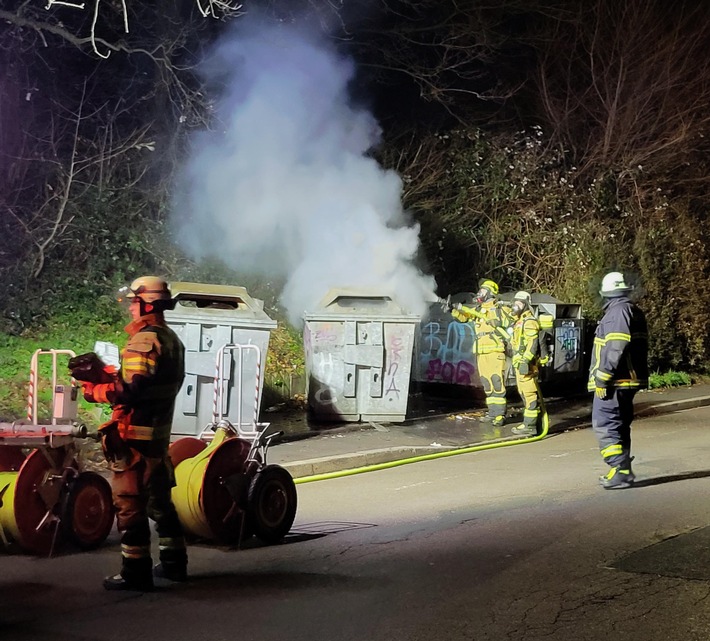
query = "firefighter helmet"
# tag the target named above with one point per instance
(487, 290)
(521, 302)
(614, 284)
(523, 296)
(490, 285)
(150, 290)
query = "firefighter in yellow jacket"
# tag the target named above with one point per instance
(136, 439)
(490, 320)
(526, 360)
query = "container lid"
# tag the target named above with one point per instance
(364, 303)
(216, 303)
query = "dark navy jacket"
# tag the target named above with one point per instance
(620, 356)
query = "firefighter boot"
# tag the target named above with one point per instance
(173, 564)
(618, 478)
(136, 575)
(524, 430)
(170, 571)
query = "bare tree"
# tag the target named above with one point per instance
(626, 85)
(51, 23)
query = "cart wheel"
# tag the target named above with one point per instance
(87, 511)
(271, 506)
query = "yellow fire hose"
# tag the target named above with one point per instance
(203, 495)
(428, 457)
(187, 492)
(23, 506)
(8, 522)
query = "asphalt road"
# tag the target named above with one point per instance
(511, 544)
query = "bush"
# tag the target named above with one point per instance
(669, 379)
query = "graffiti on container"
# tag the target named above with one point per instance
(326, 371)
(327, 377)
(394, 352)
(459, 373)
(449, 361)
(568, 343)
(326, 335)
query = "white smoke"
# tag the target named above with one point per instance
(286, 187)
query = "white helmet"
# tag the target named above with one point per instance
(614, 284)
(521, 302)
(523, 296)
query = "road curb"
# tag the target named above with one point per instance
(354, 460)
(341, 462)
(673, 406)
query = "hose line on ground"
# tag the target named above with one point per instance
(427, 457)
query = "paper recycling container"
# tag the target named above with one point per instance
(206, 317)
(358, 347)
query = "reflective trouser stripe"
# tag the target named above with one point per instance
(135, 551)
(171, 543)
(612, 450)
(530, 395)
(611, 422)
(491, 369)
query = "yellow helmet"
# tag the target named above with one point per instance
(148, 289)
(490, 285)
(487, 290)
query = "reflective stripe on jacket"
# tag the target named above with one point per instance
(620, 353)
(526, 337)
(152, 372)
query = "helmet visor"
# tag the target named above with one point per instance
(125, 296)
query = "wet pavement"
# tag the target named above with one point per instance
(435, 425)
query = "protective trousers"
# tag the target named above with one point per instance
(611, 422)
(529, 391)
(491, 368)
(142, 492)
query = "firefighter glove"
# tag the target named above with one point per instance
(88, 391)
(603, 393)
(445, 303)
(517, 359)
(544, 360)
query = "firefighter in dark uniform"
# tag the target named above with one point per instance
(490, 321)
(136, 439)
(619, 368)
(526, 360)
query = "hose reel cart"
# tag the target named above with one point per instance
(46, 499)
(225, 491)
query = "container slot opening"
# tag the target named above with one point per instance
(205, 302)
(369, 302)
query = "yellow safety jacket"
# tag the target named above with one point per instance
(490, 321)
(526, 337)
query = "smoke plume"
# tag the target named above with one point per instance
(284, 186)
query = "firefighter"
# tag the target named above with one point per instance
(135, 441)
(526, 361)
(490, 321)
(619, 368)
